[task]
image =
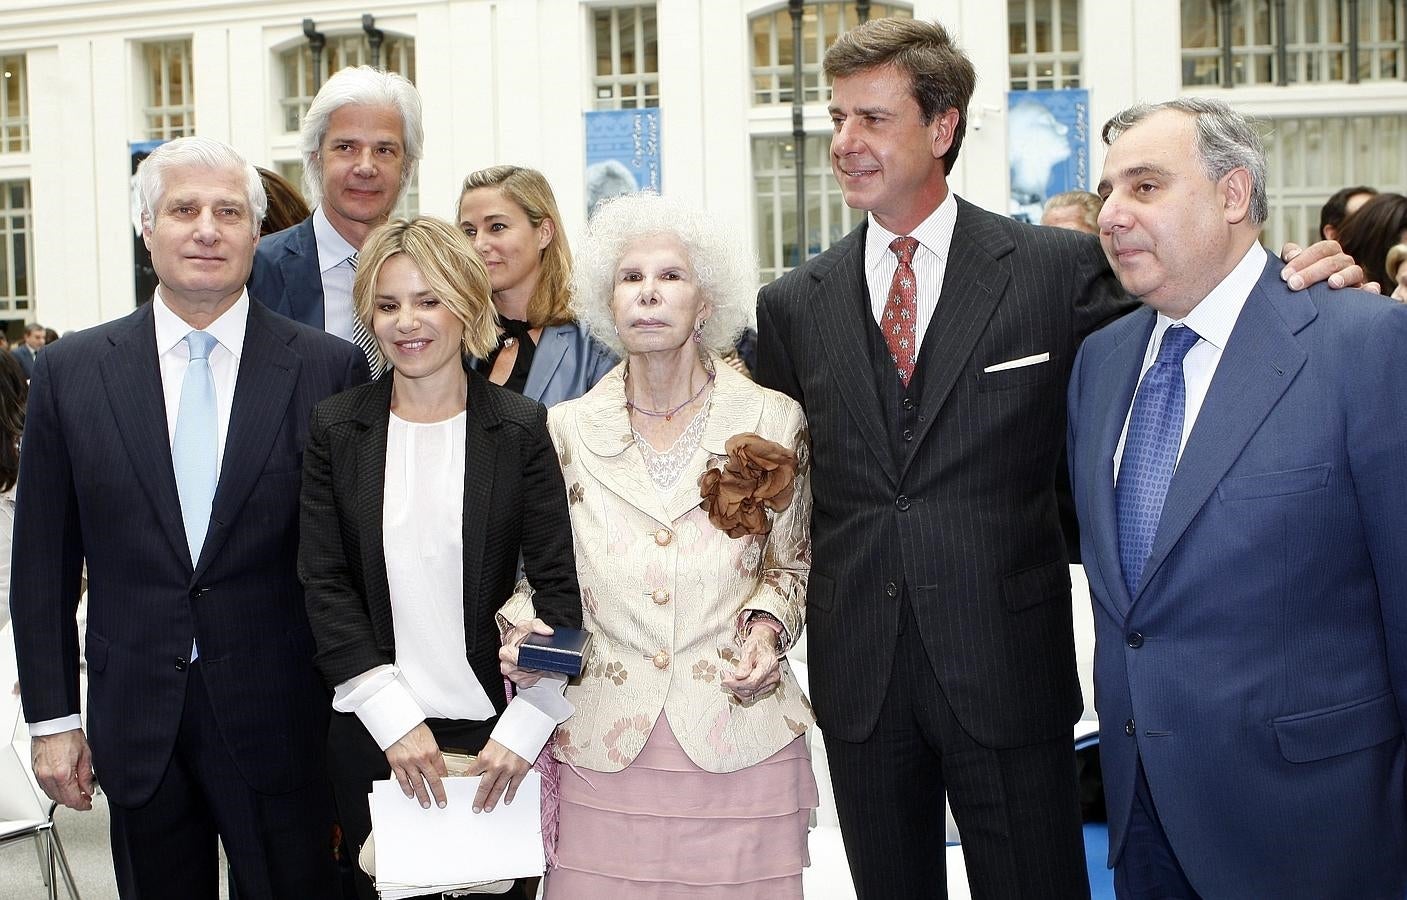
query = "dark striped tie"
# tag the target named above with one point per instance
(363, 338)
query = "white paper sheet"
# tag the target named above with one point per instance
(442, 848)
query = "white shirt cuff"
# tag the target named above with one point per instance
(382, 702)
(534, 714)
(55, 726)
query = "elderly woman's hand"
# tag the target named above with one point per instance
(503, 772)
(417, 764)
(758, 668)
(508, 653)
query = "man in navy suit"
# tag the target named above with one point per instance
(28, 351)
(361, 141)
(1239, 461)
(164, 450)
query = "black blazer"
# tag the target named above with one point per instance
(514, 501)
(965, 526)
(96, 483)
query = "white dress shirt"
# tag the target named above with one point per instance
(422, 528)
(337, 276)
(935, 238)
(1212, 319)
(173, 355)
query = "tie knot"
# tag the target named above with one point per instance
(200, 343)
(1177, 340)
(904, 248)
(352, 261)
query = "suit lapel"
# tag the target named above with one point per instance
(840, 311)
(1109, 401)
(268, 371)
(603, 425)
(972, 288)
(132, 378)
(546, 359)
(480, 468)
(373, 416)
(1260, 360)
(302, 276)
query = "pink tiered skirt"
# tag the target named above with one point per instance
(664, 828)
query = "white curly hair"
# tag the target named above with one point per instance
(726, 272)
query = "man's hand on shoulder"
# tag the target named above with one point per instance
(63, 765)
(1322, 261)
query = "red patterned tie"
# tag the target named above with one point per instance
(900, 319)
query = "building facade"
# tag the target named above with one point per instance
(510, 80)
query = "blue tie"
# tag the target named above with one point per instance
(194, 447)
(1150, 453)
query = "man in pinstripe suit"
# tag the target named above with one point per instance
(164, 451)
(939, 607)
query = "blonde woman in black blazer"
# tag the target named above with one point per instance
(384, 533)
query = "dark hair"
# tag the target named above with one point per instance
(940, 75)
(286, 206)
(1336, 208)
(1369, 233)
(14, 391)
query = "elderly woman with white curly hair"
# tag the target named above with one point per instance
(689, 494)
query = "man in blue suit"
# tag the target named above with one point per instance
(165, 450)
(361, 141)
(1239, 460)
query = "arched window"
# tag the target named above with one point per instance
(627, 57)
(301, 82)
(1044, 44)
(773, 55)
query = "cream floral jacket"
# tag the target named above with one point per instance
(663, 590)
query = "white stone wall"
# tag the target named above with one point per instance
(502, 81)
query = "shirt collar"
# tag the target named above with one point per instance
(934, 234)
(333, 248)
(228, 329)
(1216, 315)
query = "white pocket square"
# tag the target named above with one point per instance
(1019, 363)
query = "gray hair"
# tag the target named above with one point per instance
(1226, 140)
(360, 86)
(203, 153)
(726, 272)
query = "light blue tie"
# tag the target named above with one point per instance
(1150, 452)
(194, 449)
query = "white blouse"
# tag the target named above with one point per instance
(422, 532)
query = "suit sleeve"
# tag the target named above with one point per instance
(548, 560)
(337, 611)
(48, 559)
(1377, 449)
(774, 366)
(786, 559)
(1099, 298)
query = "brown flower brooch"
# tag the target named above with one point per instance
(757, 475)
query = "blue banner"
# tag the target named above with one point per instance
(622, 153)
(1048, 147)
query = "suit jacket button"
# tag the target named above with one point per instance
(661, 660)
(902, 502)
(198, 593)
(891, 590)
(181, 663)
(1135, 640)
(663, 537)
(908, 434)
(908, 403)
(1129, 729)
(660, 597)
